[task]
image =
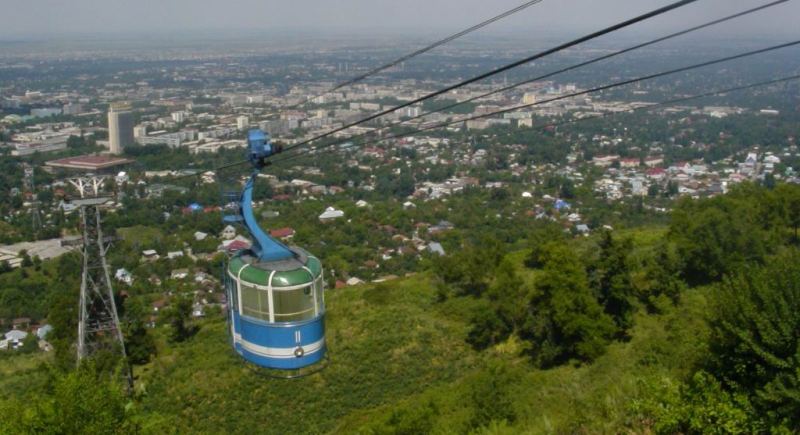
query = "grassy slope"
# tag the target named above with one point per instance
(394, 351)
(22, 374)
(393, 348)
(386, 343)
(596, 398)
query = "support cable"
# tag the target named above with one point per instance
(571, 95)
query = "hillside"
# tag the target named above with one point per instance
(386, 343)
(399, 362)
(689, 328)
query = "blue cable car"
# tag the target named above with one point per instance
(276, 294)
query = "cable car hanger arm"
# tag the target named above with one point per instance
(264, 247)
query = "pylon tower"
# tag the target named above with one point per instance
(98, 323)
(30, 186)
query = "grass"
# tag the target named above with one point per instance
(394, 350)
(21, 374)
(397, 357)
(386, 342)
(592, 398)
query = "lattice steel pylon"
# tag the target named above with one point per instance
(98, 322)
(30, 186)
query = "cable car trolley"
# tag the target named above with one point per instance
(275, 292)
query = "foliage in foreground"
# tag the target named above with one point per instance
(85, 400)
(698, 406)
(755, 347)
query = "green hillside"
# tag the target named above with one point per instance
(386, 343)
(690, 328)
(399, 363)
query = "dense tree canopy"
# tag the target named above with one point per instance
(565, 320)
(755, 346)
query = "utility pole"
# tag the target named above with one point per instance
(98, 322)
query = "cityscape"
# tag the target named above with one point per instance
(327, 234)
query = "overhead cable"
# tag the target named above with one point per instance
(504, 68)
(566, 69)
(423, 50)
(574, 94)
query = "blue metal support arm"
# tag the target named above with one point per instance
(264, 247)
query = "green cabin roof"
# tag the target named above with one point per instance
(260, 274)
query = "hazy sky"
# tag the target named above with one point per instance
(26, 18)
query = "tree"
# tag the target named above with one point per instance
(63, 311)
(653, 190)
(45, 196)
(611, 278)
(26, 259)
(482, 272)
(720, 235)
(769, 181)
(467, 271)
(75, 141)
(567, 189)
(754, 343)
(491, 398)
(178, 316)
(413, 420)
(30, 344)
(487, 328)
(16, 202)
(672, 189)
(139, 344)
(701, 405)
(789, 201)
(82, 401)
(508, 295)
(540, 236)
(661, 281)
(564, 319)
(500, 195)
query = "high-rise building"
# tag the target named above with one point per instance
(529, 98)
(72, 109)
(242, 122)
(140, 131)
(178, 116)
(120, 127)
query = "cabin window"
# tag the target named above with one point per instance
(320, 288)
(255, 302)
(294, 305)
(230, 286)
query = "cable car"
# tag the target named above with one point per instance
(276, 295)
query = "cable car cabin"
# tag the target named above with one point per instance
(275, 292)
(277, 310)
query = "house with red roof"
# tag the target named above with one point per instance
(656, 173)
(285, 233)
(236, 246)
(652, 162)
(629, 163)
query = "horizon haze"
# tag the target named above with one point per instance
(47, 19)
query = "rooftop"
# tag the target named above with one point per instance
(90, 163)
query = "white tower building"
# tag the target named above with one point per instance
(120, 127)
(242, 122)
